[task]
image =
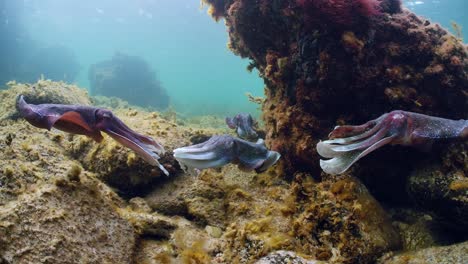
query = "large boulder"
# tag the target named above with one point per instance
(453, 254)
(440, 185)
(130, 78)
(69, 221)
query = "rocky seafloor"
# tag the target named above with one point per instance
(67, 199)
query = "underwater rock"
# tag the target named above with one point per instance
(419, 230)
(187, 244)
(339, 13)
(440, 185)
(151, 251)
(149, 225)
(336, 221)
(111, 102)
(30, 157)
(339, 221)
(434, 255)
(282, 256)
(130, 78)
(200, 199)
(64, 222)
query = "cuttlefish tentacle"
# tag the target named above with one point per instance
(395, 128)
(90, 121)
(221, 150)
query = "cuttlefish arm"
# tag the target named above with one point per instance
(221, 150)
(90, 121)
(348, 144)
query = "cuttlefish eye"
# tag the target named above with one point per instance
(103, 114)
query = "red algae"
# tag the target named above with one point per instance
(341, 13)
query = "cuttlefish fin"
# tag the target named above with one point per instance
(50, 121)
(203, 164)
(150, 157)
(73, 122)
(74, 118)
(250, 166)
(271, 159)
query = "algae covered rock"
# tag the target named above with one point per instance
(417, 229)
(147, 224)
(282, 256)
(336, 221)
(340, 222)
(187, 244)
(440, 186)
(453, 254)
(30, 156)
(68, 222)
(199, 198)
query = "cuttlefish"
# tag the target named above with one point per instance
(348, 144)
(220, 150)
(90, 121)
(244, 124)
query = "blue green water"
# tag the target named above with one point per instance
(184, 46)
(441, 11)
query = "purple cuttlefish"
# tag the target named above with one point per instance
(244, 124)
(223, 149)
(90, 121)
(348, 144)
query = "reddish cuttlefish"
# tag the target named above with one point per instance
(348, 144)
(90, 121)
